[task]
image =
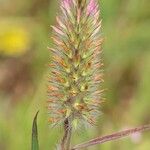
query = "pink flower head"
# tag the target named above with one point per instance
(67, 3)
(92, 7)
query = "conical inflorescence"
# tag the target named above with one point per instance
(75, 80)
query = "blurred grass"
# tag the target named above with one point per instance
(126, 53)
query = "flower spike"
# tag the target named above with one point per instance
(75, 79)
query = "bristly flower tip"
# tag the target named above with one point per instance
(75, 80)
(92, 7)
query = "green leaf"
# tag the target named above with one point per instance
(35, 143)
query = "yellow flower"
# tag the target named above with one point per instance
(14, 40)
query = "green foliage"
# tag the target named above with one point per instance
(35, 143)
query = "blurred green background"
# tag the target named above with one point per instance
(24, 36)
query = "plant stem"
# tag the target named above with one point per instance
(65, 143)
(111, 137)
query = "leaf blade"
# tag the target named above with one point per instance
(35, 143)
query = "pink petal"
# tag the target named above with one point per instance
(92, 7)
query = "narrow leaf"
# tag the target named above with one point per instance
(35, 143)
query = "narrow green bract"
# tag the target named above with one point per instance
(35, 143)
(75, 79)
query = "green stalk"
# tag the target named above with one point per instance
(66, 141)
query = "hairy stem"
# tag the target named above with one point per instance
(111, 137)
(66, 140)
